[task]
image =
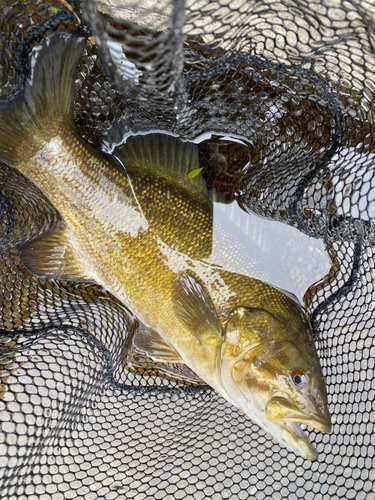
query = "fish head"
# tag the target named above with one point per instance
(270, 369)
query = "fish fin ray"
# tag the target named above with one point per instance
(52, 256)
(150, 342)
(47, 95)
(194, 306)
(165, 154)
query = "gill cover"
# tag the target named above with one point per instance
(246, 329)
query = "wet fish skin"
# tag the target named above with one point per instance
(143, 232)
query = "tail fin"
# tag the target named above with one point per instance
(47, 94)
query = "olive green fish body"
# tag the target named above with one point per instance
(135, 223)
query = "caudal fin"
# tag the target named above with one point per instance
(47, 95)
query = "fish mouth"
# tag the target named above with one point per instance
(288, 417)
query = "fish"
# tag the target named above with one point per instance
(134, 222)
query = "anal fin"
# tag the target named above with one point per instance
(150, 342)
(52, 256)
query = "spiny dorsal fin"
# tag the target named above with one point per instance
(53, 256)
(155, 347)
(47, 95)
(165, 154)
(194, 307)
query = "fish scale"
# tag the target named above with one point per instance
(136, 224)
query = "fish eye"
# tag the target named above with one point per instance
(299, 378)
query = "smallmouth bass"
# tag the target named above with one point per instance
(136, 224)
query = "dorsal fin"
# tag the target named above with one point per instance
(165, 154)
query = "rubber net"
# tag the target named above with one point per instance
(83, 414)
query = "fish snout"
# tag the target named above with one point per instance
(282, 410)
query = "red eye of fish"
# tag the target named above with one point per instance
(299, 378)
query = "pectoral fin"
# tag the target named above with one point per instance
(194, 307)
(155, 347)
(53, 256)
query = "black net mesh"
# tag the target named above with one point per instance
(83, 414)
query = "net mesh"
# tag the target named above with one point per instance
(83, 414)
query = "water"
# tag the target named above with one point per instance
(280, 255)
(276, 253)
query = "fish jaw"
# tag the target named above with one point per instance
(283, 413)
(289, 434)
(297, 440)
(279, 416)
(282, 410)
